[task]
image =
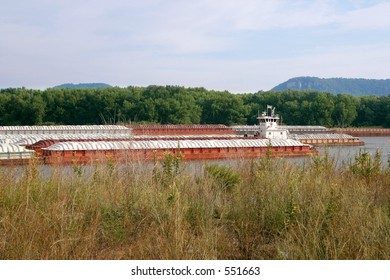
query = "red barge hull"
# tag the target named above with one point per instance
(93, 156)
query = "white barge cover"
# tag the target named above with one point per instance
(172, 144)
(64, 129)
(322, 136)
(284, 127)
(11, 151)
(28, 140)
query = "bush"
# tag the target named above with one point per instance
(225, 177)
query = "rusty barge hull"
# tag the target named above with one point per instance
(16, 161)
(328, 139)
(84, 157)
(199, 129)
(362, 132)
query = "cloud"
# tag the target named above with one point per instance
(370, 18)
(235, 45)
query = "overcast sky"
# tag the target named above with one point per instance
(234, 45)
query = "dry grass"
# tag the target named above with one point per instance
(271, 209)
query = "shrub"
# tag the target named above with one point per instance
(225, 177)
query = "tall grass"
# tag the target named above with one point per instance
(258, 209)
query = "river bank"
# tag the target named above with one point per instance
(259, 209)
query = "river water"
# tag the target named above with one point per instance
(341, 154)
(348, 153)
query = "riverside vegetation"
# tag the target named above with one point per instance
(255, 209)
(180, 105)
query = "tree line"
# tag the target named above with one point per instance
(180, 105)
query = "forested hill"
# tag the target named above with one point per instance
(84, 85)
(180, 105)
(357, 87)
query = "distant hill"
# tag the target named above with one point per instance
(86, 85)
(358, 87)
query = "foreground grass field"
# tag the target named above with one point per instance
(262, 209)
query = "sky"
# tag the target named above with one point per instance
(242, 46)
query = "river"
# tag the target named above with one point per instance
(341, 154)
(372, 144)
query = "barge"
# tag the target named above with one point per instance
(329, 139)
(123, 151)
(37, 146)
(86, 144)
(191, 129)
(359, 132)
(63, 129)
(11, 154)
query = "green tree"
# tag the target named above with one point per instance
(345, 111)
